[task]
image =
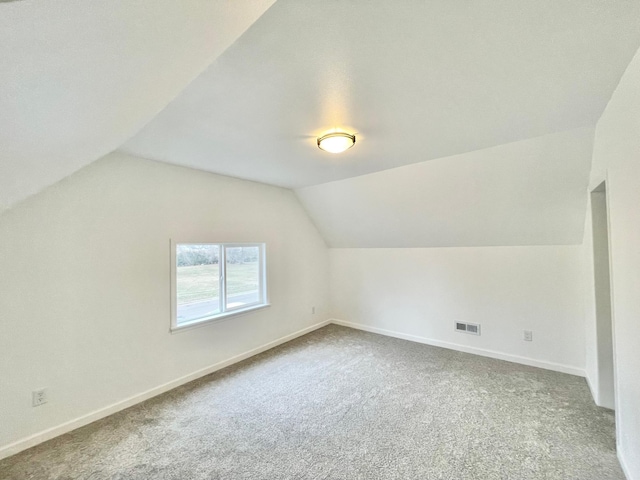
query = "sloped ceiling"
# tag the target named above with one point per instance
(530, 192)
(474, 119)
(80, 77)
(416, 80)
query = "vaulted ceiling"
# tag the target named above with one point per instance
(530, 192)
(417, 80)
(449, 100)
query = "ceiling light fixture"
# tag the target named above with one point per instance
(336, 142)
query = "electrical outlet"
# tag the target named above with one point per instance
(528, 336)
(38, 397)
(313, 310)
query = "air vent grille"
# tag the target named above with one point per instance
(471, 328)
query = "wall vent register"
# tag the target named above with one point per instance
(471, 328)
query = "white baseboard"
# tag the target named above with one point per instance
(463, 348)
(43, 436)
(623, 465)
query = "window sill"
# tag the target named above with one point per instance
(201, 322)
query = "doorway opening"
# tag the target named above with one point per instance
(604, 317)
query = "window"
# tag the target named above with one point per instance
(210, 281)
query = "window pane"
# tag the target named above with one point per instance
(243, 276)
(197, 281)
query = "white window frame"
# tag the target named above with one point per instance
(225, 312)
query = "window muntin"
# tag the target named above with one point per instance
(211, 281)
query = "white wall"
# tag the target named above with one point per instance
(616, 157)
(84, 284)
(422, 292)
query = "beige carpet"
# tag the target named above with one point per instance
(343, 404)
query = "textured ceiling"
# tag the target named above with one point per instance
(80, 77)
(416, 80)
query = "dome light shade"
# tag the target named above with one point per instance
(336, 142)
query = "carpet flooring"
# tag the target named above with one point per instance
(344, 404)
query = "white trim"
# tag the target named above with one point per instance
(623, 465)
(217, 318)
(616, 388)
(43, 436)
(594, 392)
(558, 367)
(223, 311)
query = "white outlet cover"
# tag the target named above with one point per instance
(38, 397)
